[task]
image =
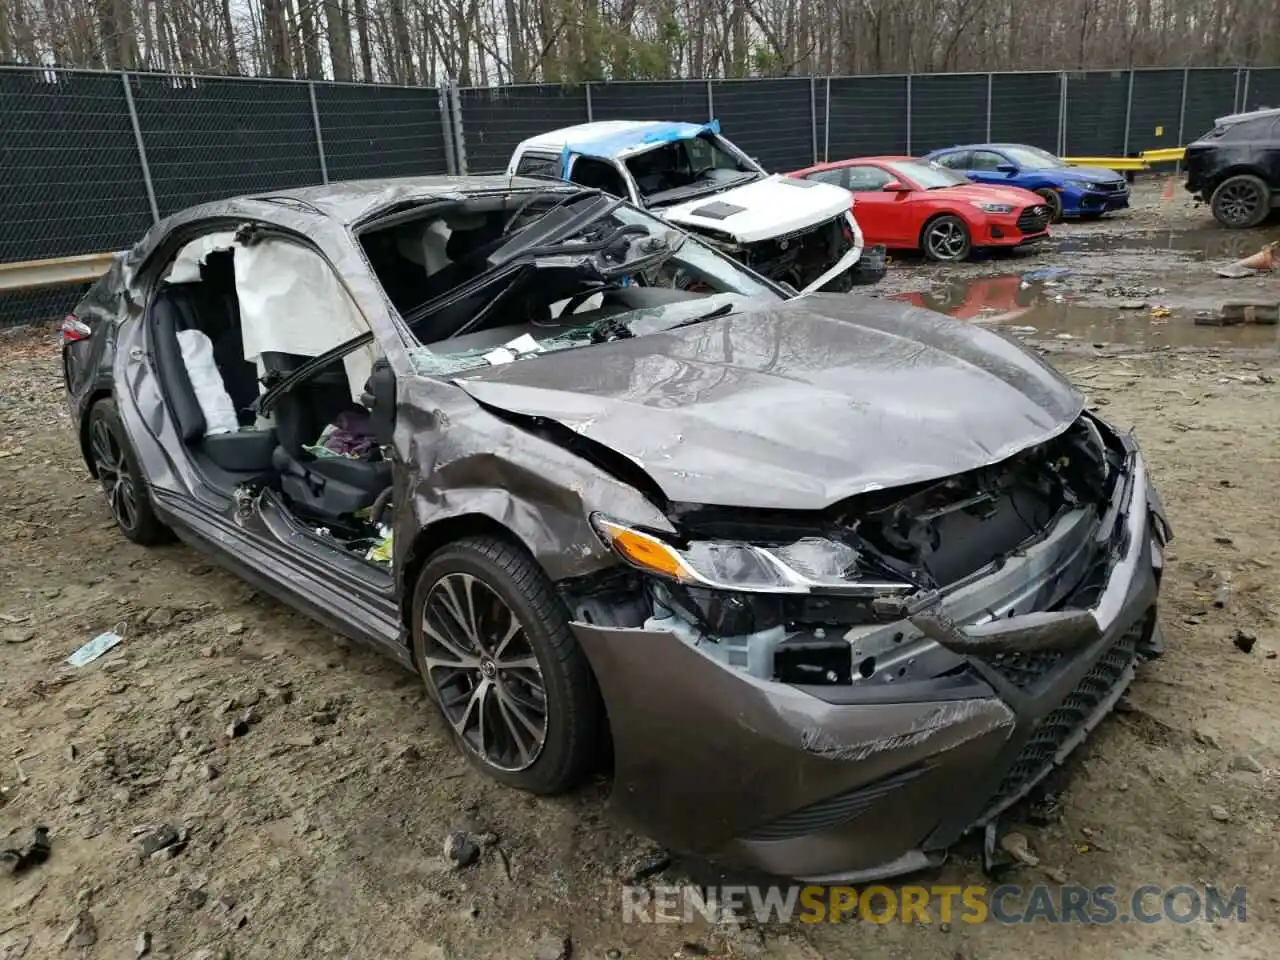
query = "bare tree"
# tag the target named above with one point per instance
(484, 41)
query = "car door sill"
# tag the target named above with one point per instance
(354, 606)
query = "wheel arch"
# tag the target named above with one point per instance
(95, 396)
(474, 520)
(938, 215)
(439, 534)
(1234, 170)
(452, 529)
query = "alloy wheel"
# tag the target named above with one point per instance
(947, 240)
(1239, 202)
(1053, 201)
(484, 672)
(113, 474)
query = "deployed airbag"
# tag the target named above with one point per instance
(291, 302)
(215, 403)
(186, 265)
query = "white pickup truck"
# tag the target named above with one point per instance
(800, 232)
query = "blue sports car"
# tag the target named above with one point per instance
(1069, 191)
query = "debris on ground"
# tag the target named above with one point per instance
(460, 850)
(83, 931)
(1016, 845)
(96, 647)
(649, 865)
(1244, 641)
(236, 728)
(1245, 763)
(1261, 262)
(1219, 813)
(1047, 276)
(22, 857)
(553, 946)
(1222, 592)
(142, 945)
(162, 839)
(1239, 313)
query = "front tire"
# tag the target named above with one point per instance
(1053, 200)
(116, 466)
(1241, 201)
(946, 240)
(492, 643)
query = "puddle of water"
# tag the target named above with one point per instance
(1208, 243)
(1046, 313)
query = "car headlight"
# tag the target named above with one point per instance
(807, 565)
(992, 207)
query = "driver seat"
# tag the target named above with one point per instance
(326, 487)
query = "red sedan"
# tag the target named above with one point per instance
(908, 204)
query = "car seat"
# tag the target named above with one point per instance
(177, 307)
(326, 487)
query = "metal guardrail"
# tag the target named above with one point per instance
(1142, 161)
(1119, 164)
(1167, 155)
(58, 272)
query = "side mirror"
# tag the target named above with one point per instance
(894, 186)
(379, 397)
(1006, 168)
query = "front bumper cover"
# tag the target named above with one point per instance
(881, 782)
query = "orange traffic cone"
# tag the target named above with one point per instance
(1168, 190)
(1264, 259)
(1260, 262)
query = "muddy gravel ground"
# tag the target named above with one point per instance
(310, 789)
(1129, 278)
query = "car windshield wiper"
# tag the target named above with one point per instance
(691, 190)
(721, 311)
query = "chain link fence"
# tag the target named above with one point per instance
(89, 160)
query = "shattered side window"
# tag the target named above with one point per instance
(539, 165)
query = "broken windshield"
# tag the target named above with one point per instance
(683, 169)
(621, 274)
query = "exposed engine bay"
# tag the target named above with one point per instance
(1034, 532)
(800, 258)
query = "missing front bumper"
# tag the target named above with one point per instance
(874, 780)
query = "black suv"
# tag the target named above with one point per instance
(1235, 167)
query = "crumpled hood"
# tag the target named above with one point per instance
(772, 207)
(1089, 175)
(796, 405)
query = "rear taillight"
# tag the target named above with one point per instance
(73, 329)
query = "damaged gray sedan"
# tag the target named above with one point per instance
(829, 581)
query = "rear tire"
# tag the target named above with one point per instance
(1241, 201)
(492, 643)
(116, 466)
(946, 239)
(1053, 201)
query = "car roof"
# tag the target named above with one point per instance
(349, 200)
(838, 164)
(987, 146)
(341, 204)
(613, 138)
(1233, 118)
